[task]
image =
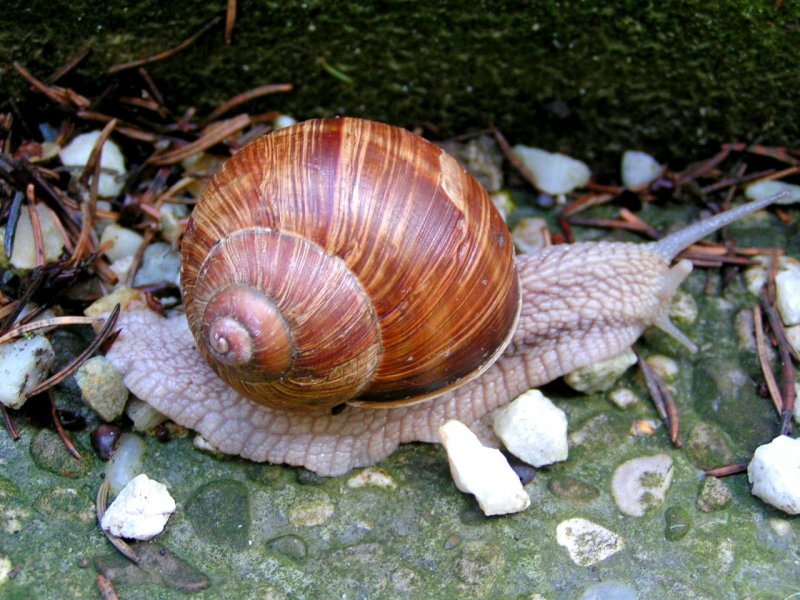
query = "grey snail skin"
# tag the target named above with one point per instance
(348, 287)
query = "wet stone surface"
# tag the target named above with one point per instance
(245, 530)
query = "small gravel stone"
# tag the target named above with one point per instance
(372, 477)
(683, 310)
(76, 154)
(609, 590)
(123, 242)
(50, 454)
(765, 189)
(219, 512)
(639, 170)
(553, 173)
(714, 495)
(309, 514)
(144, 416)
(6, 567)
(140, 511)
(24, 364)
(586, 542)
(160, 265)
(756, 276)
(23, 253)
(664, 366)
(202, 444)
(601, 376)
(126, 463)
(503, 202)
(774, 474)
(677, 523)
(533, 429)
(787, 287)
(102, 388)
(623, 397)
(291, 546)
(531, 234)
(105, 438)
(482, 471)
(641, 483)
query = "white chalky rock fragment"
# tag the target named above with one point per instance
(24, 364)
(553, 173)
(531, 234)
(787, 287)
(122, 242)
(144, 416)
(6, 566)
(140, 511)
(76, 154)
(623, 397)
(665, 367)
(533, 429)
(160, 264)
(765, 189)
(482, 471)
(372, 477)
(774, 474)
(23, 252)
(755, 277)
(639, 170)
(126, 463)
(641, 483)
(587, 543)
(601, 376)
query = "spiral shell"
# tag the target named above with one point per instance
(346, 260)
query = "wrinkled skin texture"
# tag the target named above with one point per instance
(582, 303)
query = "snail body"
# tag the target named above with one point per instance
(344, 259)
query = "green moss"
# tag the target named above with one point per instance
(674, 78)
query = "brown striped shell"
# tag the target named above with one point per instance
(343, 260)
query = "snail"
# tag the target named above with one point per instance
(344, 201)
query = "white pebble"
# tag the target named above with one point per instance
(623, 397)
(639, 170)
(126, 463)
(160, 264)
(601, 376)
(144, 416)
(586, 542)
(530, 235)
(641, 483)
(482, 471)
(765, 189)
(283, 121)
(6, 566)
(787, 287)
(203, 445)
(503, 202)
(664, 366)
(124, 242)
(372, 477)
(24, 364)
(76, 155)
(774, 474)
(553, 173)
(755, 277)
(23, 252)
(140, 511)
(533, 429)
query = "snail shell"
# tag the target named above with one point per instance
(342, 259)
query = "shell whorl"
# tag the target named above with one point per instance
(379, 267)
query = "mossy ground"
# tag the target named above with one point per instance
(248, 530)
(592, 78)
